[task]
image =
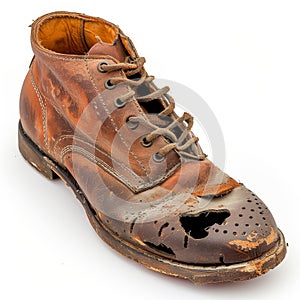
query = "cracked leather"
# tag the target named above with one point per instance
(160, 207)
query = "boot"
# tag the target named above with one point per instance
(92, 116)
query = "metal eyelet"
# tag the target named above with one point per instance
(103, 63)
(132, 124)
(146, 143)
(108, 85)
(157, 157)
(119, 103)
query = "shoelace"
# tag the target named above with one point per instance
(181, 143)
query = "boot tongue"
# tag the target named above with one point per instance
(116, 49)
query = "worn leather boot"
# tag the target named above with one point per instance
(92, 116)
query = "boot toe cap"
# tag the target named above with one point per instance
(235, 228)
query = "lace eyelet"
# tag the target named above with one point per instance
(103, 63)
(131, 124)
(146, 143)
(157, 157)
(108, 85)
(119, 103)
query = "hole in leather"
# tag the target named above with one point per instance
(186, 240)
(132, 225)
(197, 226)
(221, 259)
(161, 247)
(162, 228)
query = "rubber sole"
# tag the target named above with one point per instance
(198, 274)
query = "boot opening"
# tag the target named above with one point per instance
(74, 35)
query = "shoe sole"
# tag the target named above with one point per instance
(198, 274)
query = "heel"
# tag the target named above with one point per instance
(34, 155)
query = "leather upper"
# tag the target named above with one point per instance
(162, 206)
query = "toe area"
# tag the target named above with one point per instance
(235, 228)
(250, 230)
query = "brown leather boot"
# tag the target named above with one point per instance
(91, 115)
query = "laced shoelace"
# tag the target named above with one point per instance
(186, 138)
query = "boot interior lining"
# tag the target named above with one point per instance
(74, 35)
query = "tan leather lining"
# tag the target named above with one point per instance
(74, 35)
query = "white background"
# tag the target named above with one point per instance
(243, 58)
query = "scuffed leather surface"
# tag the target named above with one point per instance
(66, 110)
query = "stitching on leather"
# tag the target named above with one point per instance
(68, 58)
(138, 107)
(63, 58)
(78, 17)
(97, 161)
(112, 120)
(102, 152)
(43, 107)
(144, 185)
(45, 20)
(102, 164)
